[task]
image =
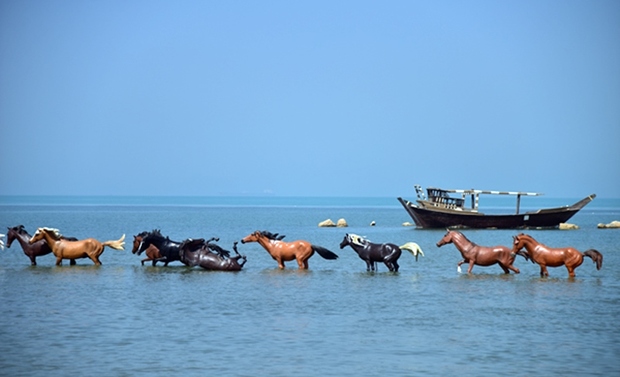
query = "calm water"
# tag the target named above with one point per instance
(124, 319)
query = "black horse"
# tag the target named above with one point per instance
(168, 249)
(34, 250)
(200, 253)
(387, 253)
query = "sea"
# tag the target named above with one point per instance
(335, 319)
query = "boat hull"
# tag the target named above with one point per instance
(429, 218)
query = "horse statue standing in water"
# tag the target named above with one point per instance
(480, 255)
(34, 250)
(168, 249)
(199, 253)
(63, 249)
(282, 251)
(388, 253)
(554, 257)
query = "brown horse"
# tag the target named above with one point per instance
(554, 257)
(479, 255)
(34, 250)
(282, 251)
(152, 252)
(63, 249)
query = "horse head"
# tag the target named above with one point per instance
(14, 232)
(446, 239)
(519, 242)
(148, 239)
(137, 239)
(353, 240)
(254, 237)
(41, 232)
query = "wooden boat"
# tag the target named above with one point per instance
(441, 210)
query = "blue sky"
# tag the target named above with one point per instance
(309, 98)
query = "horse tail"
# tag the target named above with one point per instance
(324, 252)
(413, 248)
(117, 245)
(596, 257)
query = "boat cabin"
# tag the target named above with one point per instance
(440, 198)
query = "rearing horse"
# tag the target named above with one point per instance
(387, 253)
(282, 251)
(63, 249)
(554, 257)
(480, 255)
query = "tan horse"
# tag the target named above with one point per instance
(63, 249)
(554, 257)
(282, 251)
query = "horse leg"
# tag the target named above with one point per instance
(72, 262)
(303, 263)
(33, 260)
(369, 265)
(543, 271)
(458, 265)
(504, 268)
(471, 266)
(513, 268)
(95, 260)
(571, 271)
(396, 266)
(59, 261)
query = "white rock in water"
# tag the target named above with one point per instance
(342, 223)
(327, 223)
(613, 224)
(566, 226)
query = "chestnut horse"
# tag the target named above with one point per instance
(152, 252)
(63, 249)
(554, 257)
(34, 250)
(282, 251)
(388, 253)
(479, 255)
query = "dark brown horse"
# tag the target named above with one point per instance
(152, 252)
(199, 253)
(479, 255)
(554, 257)
(168, 249)
(34, 250)
(282, 251)
(86, 248)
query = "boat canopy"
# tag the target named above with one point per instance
(441, 197)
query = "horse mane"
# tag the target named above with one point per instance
(54, 232)
(464, 236)
(272, 236)
(156, 233)
(357, 239)
(20, 229)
